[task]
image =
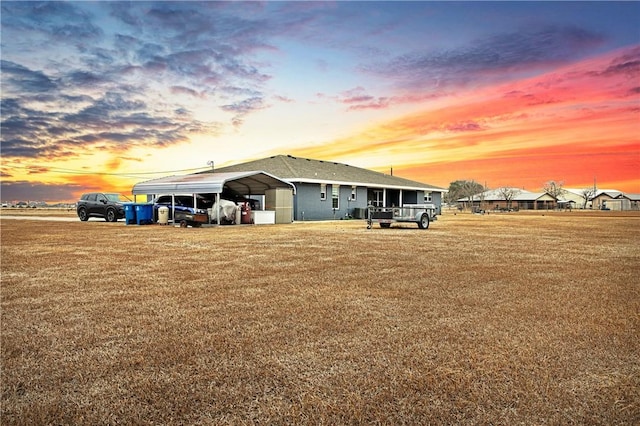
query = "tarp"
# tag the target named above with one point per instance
(245, 183)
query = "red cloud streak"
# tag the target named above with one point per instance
(614, 167)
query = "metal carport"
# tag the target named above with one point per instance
(244, 183)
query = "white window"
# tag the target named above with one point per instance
(353, 193)
(323, 191)
(427, 197)
(335, 196)
(379, 198)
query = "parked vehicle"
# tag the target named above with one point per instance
(186, 213)
(101, 204)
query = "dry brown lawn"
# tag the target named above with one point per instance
(524, 318)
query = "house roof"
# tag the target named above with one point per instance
(247, 183)
(494, 195)
(533, 196)
(632, 197)
(613, 193)
(305, 170)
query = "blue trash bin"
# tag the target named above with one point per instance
(129, 213)
(144, 214)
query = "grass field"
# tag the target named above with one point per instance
(524, 318)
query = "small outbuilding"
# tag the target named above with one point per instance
(277, 192)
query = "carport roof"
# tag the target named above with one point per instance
(246, 183)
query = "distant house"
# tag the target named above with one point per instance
(624, 202)
(522, 200)
(601, 200)
(330, 190)
(492, 199)
(575, 197)
(535, 201)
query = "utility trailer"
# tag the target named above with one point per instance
(421, 214)
(186, 218)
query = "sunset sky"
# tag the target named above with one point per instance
(102, 95)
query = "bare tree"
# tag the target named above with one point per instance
(472, 190)
(508, 194)
(587, 194)
(554, 188)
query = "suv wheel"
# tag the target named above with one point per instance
(82, 214)
(111, 216)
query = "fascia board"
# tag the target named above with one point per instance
(368, 185)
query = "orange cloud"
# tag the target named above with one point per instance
(101, 183)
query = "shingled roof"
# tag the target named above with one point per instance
(305, 170)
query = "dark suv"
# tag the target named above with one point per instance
(99, 204)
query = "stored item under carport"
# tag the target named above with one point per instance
(420, 214)
(163, 215)
(190, 219)
(245, 213)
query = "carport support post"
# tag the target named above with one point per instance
(173, 208)
(218, 208)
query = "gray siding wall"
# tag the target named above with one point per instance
(308, 206)
(436, 199)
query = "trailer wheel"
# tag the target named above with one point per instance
(424, 221)
(183, 224)
(385, 225)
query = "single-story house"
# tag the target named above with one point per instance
(624, 202)
(535, 201)
(330, 190)
(602, 198)
(521, 200)
(574, 196)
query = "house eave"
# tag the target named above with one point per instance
(364, 184)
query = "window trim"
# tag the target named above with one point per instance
(323, 192)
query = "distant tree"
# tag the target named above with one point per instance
(455, 191)
(587, 194)
(465, 189)
(554, 188)
(508, 194)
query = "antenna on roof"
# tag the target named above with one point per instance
(210, 163)
(391, 170)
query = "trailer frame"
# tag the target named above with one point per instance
(420, 214)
